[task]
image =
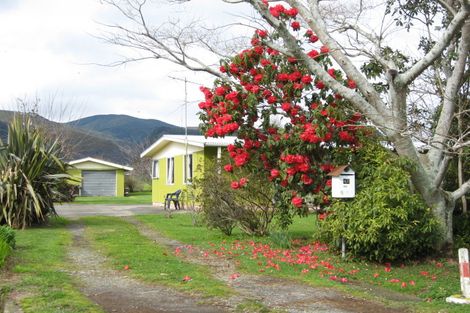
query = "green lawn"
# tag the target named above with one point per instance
(39, 261)
(144, 197)
(431, 280)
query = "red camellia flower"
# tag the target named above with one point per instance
(262, 33)
(243, 181)
(228, 168)
(313, 54)
(275, 173)
(313, 38)
(292, 60)
(306, 79)
(297, 201)
(235, 185)
(351, 84)
(320, 85)
(292, 12)
(295, 25)
(307, 180)
(277, 10)
(332, 72)
(220, 91)
(324, 49)
(286, 106)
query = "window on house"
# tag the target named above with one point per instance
(155, 169)
(170, 171)
(188, 168)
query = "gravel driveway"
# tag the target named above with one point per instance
(71, 210)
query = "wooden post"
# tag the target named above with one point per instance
(343, 248)
(464, 272)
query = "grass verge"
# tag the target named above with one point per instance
(39, 260)
(125, 247)
(430, 280)
(144, 197)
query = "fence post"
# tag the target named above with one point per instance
(464, 272)
(464, 268)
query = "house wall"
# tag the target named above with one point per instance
(159, 185)
(120, 183)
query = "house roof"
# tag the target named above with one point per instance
(193, 140)
(338, 170)
(89, 159)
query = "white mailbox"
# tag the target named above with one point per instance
(343, 182)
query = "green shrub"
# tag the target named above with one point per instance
(30, 174)
(250, 208)
(386, 220)
(461, 226)
(5, 250)
(7, 234)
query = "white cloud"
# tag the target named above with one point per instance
(47, 47)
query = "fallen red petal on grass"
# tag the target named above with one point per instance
(403, 285)
(344, 280)
(234, 276)
(126, 267)
(376, 275)
(394, 280)
(412, 283)
(388, 269)
(186, 278)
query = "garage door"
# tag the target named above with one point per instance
(98, 183)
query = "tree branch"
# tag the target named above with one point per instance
(455, 25)
(462, 191)
(449, 104)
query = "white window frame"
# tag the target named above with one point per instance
(155, 169)
(170, 171)
(186, 179)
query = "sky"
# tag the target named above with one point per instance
(50, 51)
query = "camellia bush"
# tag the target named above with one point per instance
(386, 220)
(285, 119)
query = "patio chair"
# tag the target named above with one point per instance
(173, 197)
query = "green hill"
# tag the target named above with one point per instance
(115, 138)
(131, 130)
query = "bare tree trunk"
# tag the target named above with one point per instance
(460, 161)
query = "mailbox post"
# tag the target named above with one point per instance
(343, 185)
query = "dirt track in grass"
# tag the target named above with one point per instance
(275, 293)
(116, 292)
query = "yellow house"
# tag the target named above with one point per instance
(98, 177)
(171, 170)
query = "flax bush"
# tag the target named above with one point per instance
(30, 175)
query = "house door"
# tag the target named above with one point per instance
(98, 183)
